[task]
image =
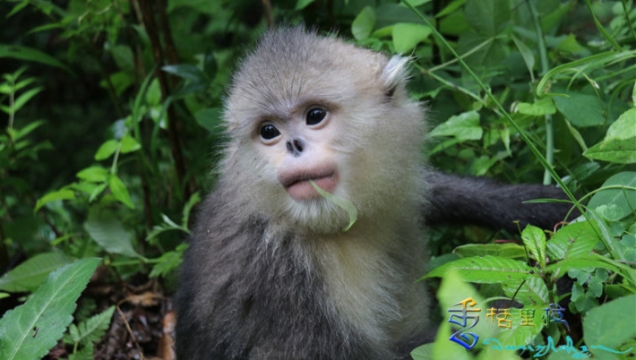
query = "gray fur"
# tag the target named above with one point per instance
(267, 277)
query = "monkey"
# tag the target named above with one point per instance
(277, 267)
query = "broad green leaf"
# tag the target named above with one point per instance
(407, 36)
(345, 204)
(31, 329)
(570, 44)
(487, 270)
(210, 119)
(625, 199)
(63, 194)
(573, 240)
(616, 151)
(534, 240)
(95, 174)
(129, 144)
(29, 54)
(389, 14)
(540, 107)
(563, 266)
(489, 17)
(119, 190)
(612, 326)
(123, 56)
(619, 145)
(464, 126)
(533, 291)
(109, 233)
(582, 110)
(510, 251)
(481, 50)
(30, 274)
(624, 128)
(363, 23)
(107, 149)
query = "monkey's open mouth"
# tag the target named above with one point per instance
(299, 187)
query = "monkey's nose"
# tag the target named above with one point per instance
(295, 147)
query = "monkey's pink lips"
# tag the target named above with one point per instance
(299, 187)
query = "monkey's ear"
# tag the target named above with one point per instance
(394, 74)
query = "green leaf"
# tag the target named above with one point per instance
(31, 329)
(25, 97)
(119, 190)
(624, 199)
(301, 4)
(509, 251)
(345, 204)
(526, 54)
(30, 274)
(187, 208)
(487, 270)
(109, 233)
(21, 84)
(20, 133)
(450, 8)
(107, 149)
(94, 174)
(612, 326)
(573, 240)
(543, 106)
(582, 110)
(92, 329)
(363, 23)
(616, 151)
(464, 126)
(62, 194)
(168, 261)
(210, 119)
(186, 71)
(619, 145)
(534, 240)
(29, 54)
(407, 36)
(481, 50)
(563, 266)
(129, 144)
(489, 17)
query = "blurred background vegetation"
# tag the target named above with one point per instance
(111, 124)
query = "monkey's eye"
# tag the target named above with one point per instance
(268, 132)
(315, 116)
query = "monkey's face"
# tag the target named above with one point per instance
(300, 150)
(304, 108)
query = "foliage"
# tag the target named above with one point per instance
(112, 122)
(28, 331)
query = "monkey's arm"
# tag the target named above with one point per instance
(485, 202)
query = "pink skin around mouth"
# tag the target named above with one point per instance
(299, 187)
